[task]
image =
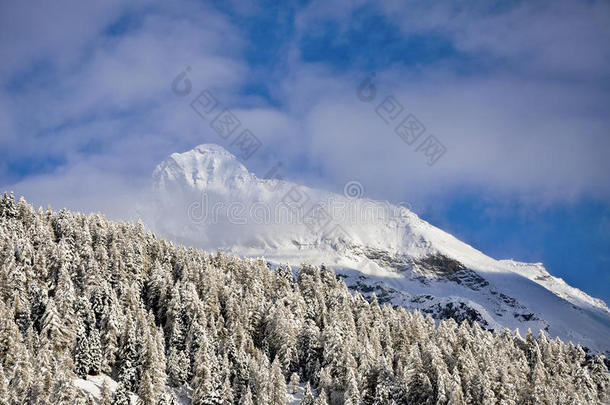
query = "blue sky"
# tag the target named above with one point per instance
(517, 92)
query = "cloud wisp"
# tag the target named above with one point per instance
(518, 96)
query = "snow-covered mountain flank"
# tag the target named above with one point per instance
(208, 199)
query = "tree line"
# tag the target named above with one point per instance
(81, 295)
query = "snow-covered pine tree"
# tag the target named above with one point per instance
(153, 378)
(600, 377)
(420, 389)
(351, 393)
(130, 367)
(322, 399)
(246, 398)
(293, 383)
(277, 385)
(308, 397)
(178, 366)
(227, 397)
(82, 353)
(3, 388)
(121, 396)
(168, 398)
(63, 390)
(106, 394)
(54, 331)
(95, 350)
(7, 206)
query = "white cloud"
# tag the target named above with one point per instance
(104, 105)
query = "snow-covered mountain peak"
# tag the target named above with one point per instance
(205, 166)
(206, 198)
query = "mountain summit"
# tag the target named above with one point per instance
(206, 198)
(206, 166)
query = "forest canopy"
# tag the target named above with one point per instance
(81, 295)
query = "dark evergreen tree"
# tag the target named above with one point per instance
(95, 350)
(168, 398)
(82, 353)
(121, 396)
(308, 397)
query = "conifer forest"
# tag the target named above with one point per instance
(82, 296)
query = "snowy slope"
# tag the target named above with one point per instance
(206, 198)
(92, 387)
